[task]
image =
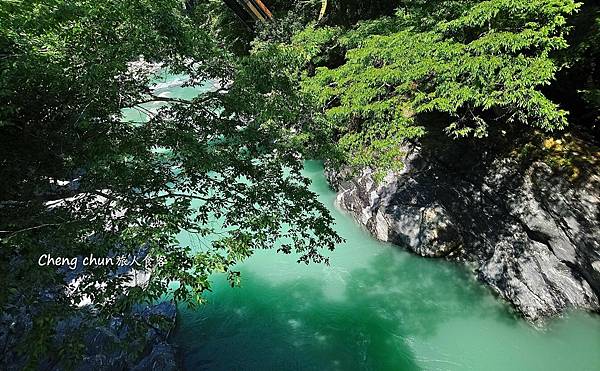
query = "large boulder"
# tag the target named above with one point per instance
(529, 231)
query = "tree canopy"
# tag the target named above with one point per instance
(482, 63)
(77, 179)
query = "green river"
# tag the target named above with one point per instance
(376, 307)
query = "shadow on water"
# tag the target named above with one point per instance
(298, 325)
(364, 312)
(375, 308)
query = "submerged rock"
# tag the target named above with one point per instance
(530, 233)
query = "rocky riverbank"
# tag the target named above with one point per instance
(135, 340)
(112, 346)
(525, 216)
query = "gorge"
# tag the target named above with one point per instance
(376, 306)
(300, 185)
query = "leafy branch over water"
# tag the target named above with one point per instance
(77, 179)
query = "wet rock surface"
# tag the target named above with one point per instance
(531, 234)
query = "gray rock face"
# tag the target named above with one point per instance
(532, 235)
(112, 346)
(161, 358)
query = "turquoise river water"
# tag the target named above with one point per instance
(376, 307)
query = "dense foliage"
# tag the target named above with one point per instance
(481, 63)
(76, 179)
(578, 85)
